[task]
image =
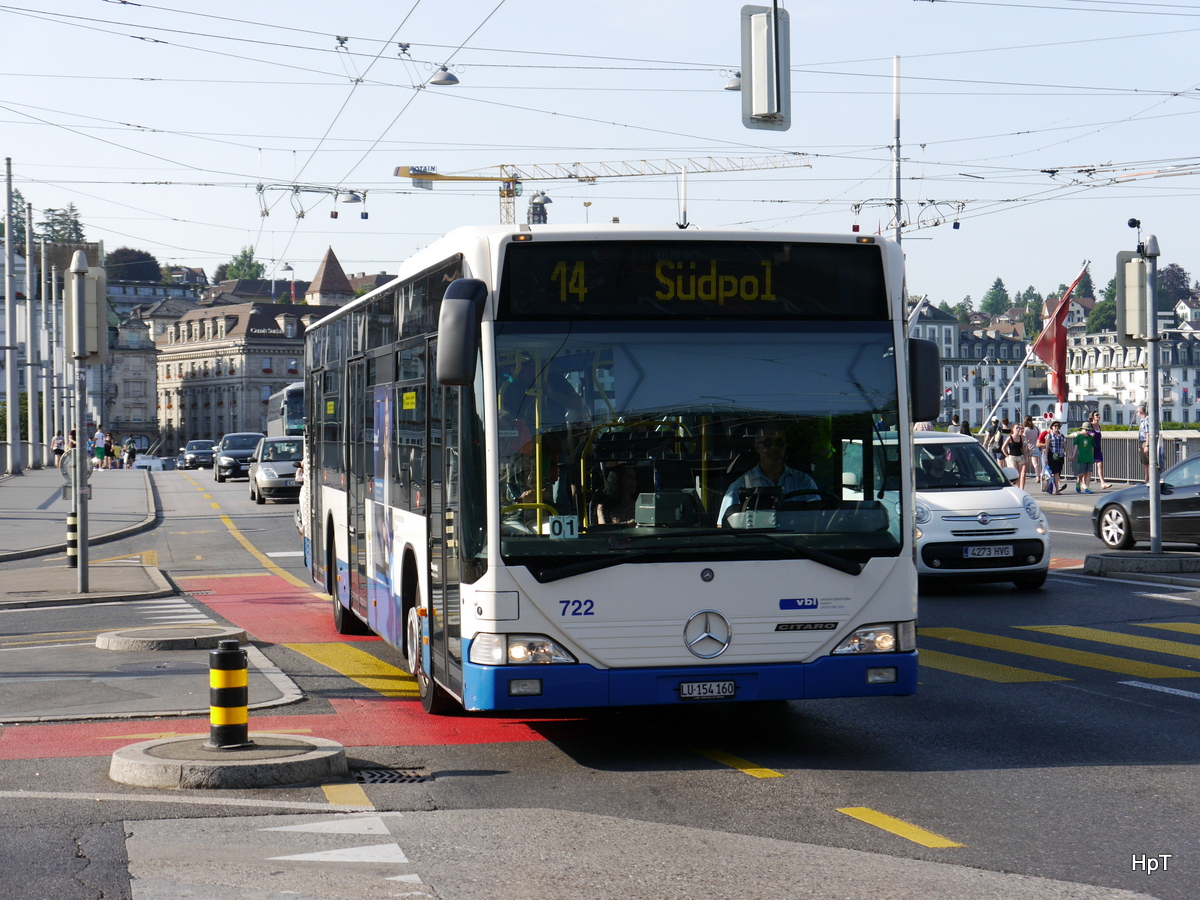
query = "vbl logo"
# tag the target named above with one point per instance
(798, 603)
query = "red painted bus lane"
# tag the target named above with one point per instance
(366, 722)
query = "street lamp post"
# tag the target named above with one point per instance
(286, 267)
(79, 490)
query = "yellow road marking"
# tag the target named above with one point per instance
(229, 575)
(977, 668)
(215, 505)
(899, 827)
(361, 667)
(736, 762)
(266, 561)
(206, 496)
(1185, 627)
(1136, 642)
(1058, 654)
(82, 642)
(148, 558)
(348, 794)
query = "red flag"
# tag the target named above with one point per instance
(1051, 345)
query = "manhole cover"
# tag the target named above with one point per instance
(163, 668)
(392, 776)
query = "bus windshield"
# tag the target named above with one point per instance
(719, 439)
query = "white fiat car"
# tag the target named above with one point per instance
(972, 523)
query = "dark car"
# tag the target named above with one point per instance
(196, 455)
(1122, 518)
(231, 456)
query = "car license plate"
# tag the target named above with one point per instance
(987, 551)
(707, 690)
(290, 483)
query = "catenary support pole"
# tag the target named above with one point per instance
(79, 269)
(1153, 393)
(13, 430)
(32, 344)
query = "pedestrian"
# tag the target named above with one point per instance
(1144, 439)
(129, 449)
(955, 425)
(1082, 451)
(71, 439)
(98, 451)
(1014, 453)
(58, 447)
(922, 426)
(1055, 450)
(110, 452)
(1093, 428)
(991, 436)
(1033, 456)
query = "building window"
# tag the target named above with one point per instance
(266, 365)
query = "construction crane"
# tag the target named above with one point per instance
(511, 177)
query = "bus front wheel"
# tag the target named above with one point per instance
(434, 699)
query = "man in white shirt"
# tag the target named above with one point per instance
(771, 471)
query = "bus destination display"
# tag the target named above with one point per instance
(692, 279)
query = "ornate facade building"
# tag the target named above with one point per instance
(218, 366)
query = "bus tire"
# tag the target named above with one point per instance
(344, 621)
(434, 699)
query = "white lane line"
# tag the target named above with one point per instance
(1074, 533)
(1092, 579)
(287, 553)
(1191, 695)
(1159, 596)
(177, 798)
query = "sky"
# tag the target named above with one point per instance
(1041, 128)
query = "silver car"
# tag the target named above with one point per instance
(273, 469)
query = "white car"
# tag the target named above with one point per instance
(972, 523)
(151, 463)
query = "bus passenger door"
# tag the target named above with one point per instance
(361, 436)
(445, 624)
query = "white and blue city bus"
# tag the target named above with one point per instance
(285, 411)
(577, 467)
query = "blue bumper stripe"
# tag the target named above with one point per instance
(577, 686)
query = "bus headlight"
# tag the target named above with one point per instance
(892, 637)
(517, 650)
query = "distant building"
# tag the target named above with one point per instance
(330, 286)
(217, 366)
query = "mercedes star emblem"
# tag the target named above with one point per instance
(707, 634)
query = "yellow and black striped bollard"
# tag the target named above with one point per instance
(228, 698)
(72, 541)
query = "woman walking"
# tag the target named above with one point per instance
(1093, 428)
(1014, 452)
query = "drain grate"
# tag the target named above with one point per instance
(200, 593)
(392, 776)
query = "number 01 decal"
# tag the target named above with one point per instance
(564, 528)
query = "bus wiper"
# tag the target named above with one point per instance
(554, 573)
(817, 556)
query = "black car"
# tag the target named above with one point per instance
(1122, 518)
(231, 456)
(196, 455)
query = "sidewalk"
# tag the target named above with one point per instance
(150, 673)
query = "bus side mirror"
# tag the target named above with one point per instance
(924, 380)
(458, 331)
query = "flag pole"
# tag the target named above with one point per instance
(1011, 382)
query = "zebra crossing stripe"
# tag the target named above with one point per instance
(977, 668)
(1083, 658)
(1116, 638)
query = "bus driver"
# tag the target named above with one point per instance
(771, 471)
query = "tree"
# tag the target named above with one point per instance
(62, 226)
(241, 266)
(1029, 298)
(127, 264)
(1173, 285)
(1110, 290)
(1102, 318)
(1032, 321)
(18, 219)
(963, 309)
(1085, 288)
(996, 300)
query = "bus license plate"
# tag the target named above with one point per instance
(707, 690)
(987, 551)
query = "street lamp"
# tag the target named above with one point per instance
(286, 267)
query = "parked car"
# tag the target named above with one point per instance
(973, 524)
(231, 456)
(196, 455)
(273, 469)
(1122, 518)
